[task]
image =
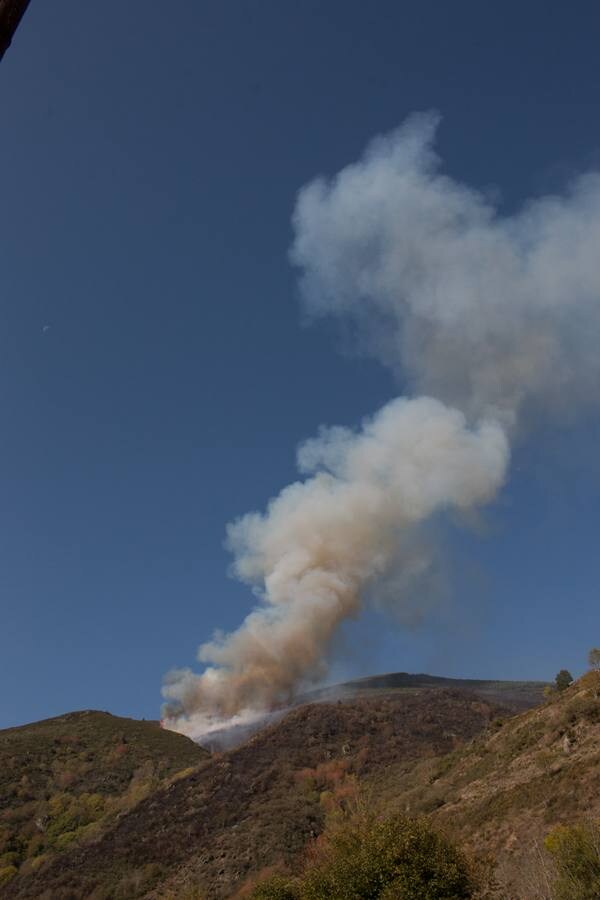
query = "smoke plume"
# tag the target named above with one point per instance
(493, 320)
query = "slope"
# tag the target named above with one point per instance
(64, 779)
(516, 694)
(260, 803)
(501, 794)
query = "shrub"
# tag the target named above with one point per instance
(576, 853)
(389, 858)
(10, 859)
(63, 840)
(7, 873)
(378, 859)
(67, 814)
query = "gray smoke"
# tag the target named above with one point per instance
(493, 319)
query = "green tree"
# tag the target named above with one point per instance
(594, 658)
(563, 680)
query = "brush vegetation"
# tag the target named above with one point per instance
(65, 780)
(375, 858)
(447, 768)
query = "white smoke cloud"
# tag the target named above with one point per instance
(495, 317)
(322, 540)
(487, 312)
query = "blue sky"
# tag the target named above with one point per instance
(149, 172)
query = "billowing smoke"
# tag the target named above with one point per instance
(323, 539)
(482, 311)
(493, 319)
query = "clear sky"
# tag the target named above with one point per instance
(156, 373)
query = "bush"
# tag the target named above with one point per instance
(68, 814)
(7, 873)
(379, 859)
(576, 853)
(393, 858)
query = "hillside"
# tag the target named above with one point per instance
(516, 694)
(100, 807)
(260, 803)
(65, 779)
(502, 793)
